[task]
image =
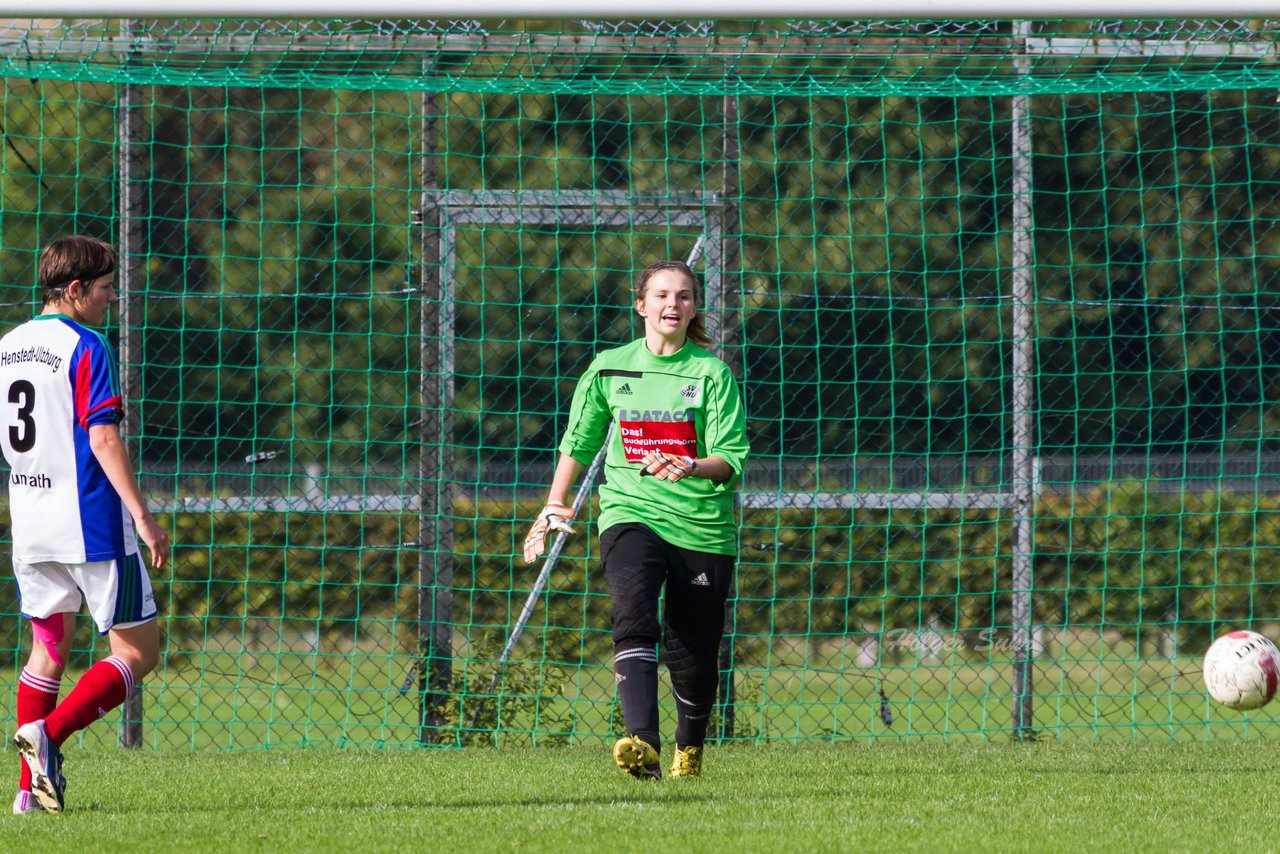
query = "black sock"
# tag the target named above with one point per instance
(635, 669)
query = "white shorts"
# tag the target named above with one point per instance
(118, 591)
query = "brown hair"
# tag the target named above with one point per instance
(697, 332)
(70, 258)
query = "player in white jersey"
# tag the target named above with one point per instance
(76, 510)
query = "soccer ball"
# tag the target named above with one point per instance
(1241, 670)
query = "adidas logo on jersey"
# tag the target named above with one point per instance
(626, 389)
(701, 580)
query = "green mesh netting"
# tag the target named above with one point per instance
(367, 261)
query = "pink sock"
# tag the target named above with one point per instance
(37, 697)
(103, 687)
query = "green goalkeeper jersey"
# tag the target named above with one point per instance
(686, 403)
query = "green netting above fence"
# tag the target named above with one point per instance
(691, 57)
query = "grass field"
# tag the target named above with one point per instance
(934, 797)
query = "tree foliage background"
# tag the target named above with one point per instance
(871, 315)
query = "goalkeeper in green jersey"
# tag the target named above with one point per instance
(666, 511)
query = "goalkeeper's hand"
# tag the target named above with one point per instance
(554, 516)
(666, 466)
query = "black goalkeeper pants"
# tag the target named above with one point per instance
(638, 565)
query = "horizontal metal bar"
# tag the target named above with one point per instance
(573, 199)
(640, 9)
(1112, 48)
(729, 48)
(874, 500)
(288, 504)
(390, 503)
(572, 216)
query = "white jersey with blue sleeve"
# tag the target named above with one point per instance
(58, 379)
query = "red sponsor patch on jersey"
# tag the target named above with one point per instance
(673, 437)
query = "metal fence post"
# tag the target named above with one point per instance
(1023, 370)
(128, 280)
(730, 336)
(435, 484)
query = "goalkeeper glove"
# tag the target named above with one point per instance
(555, 516)
(666, 466)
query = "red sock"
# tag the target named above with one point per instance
(103, 687)
(37, 696)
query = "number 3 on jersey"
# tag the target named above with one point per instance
(22, 436)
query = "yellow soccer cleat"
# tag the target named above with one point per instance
(637, 758)
(687, 762)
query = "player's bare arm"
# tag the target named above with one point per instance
(113, 456)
